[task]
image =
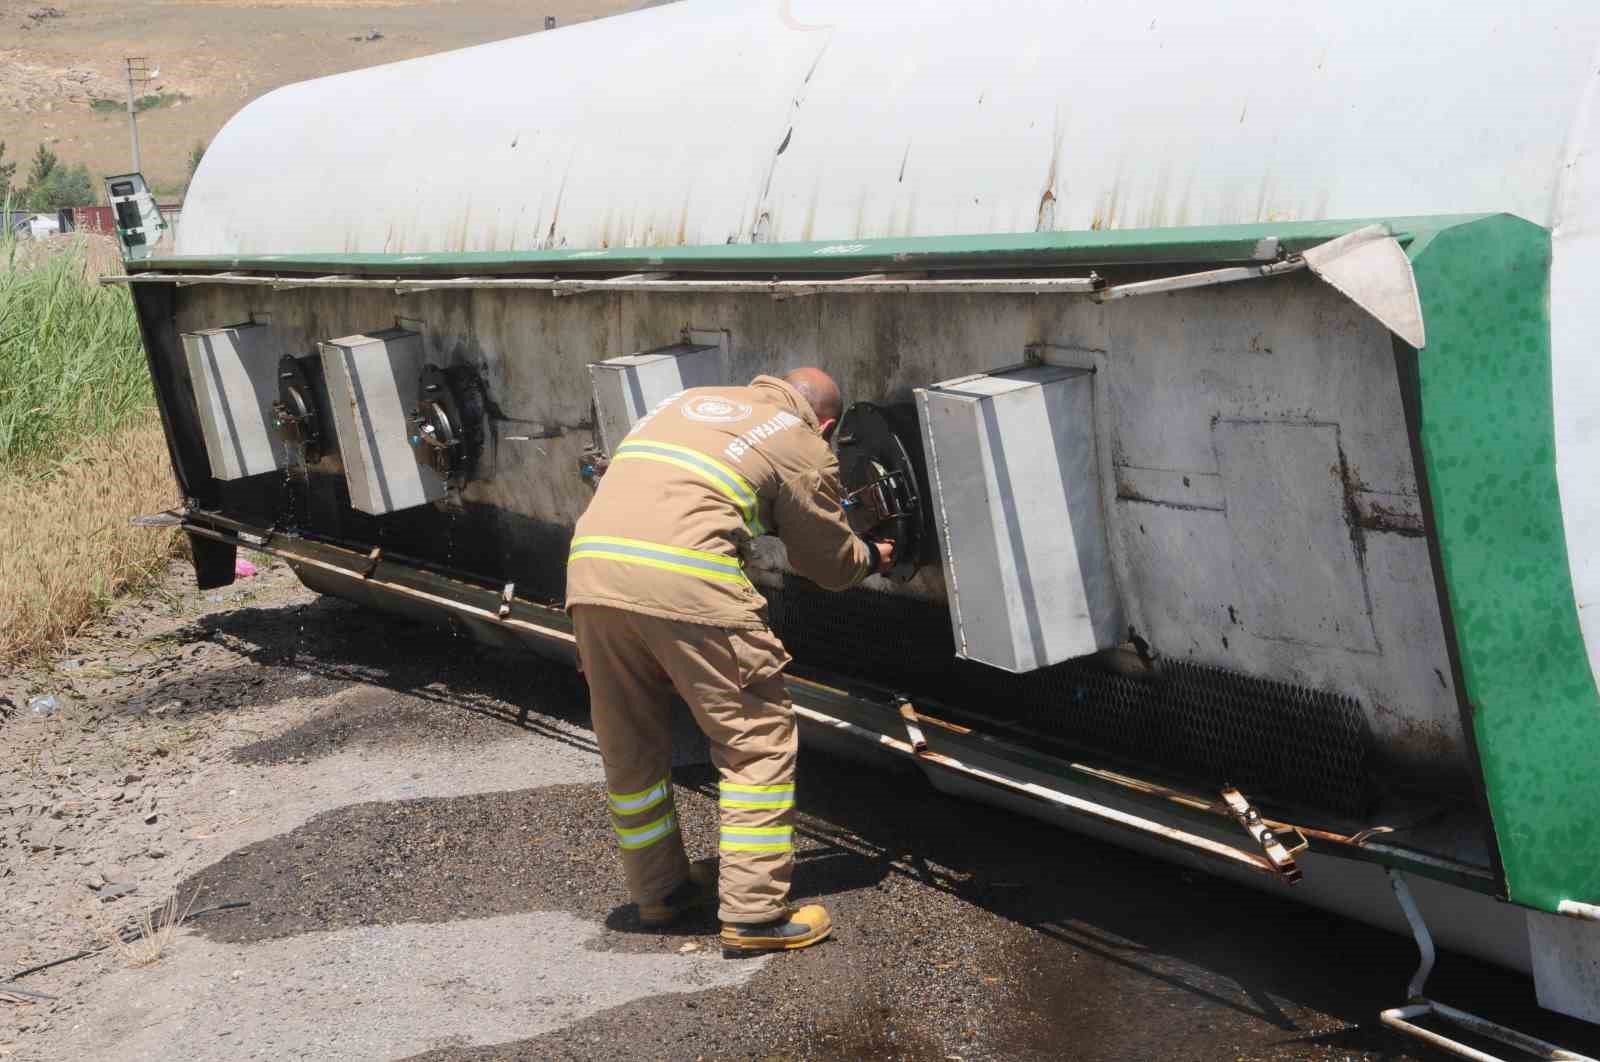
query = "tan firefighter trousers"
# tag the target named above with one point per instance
(732, 681)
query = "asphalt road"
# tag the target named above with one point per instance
(429, 873)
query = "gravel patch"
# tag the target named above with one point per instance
(372, 718)
(471, 856)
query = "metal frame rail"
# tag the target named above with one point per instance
(1092, 285)
(1271, 863)
(1419, 1005)
(829, 705)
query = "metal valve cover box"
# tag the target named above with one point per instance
(372, 382)
(235, 376)
(627, 388)
(1016, 497)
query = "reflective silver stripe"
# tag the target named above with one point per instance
(731, 483)
(645, 836)
(734, 483)
(633, 803)
(704, 565)
(757, 838)
(770, 797)
(637, 551)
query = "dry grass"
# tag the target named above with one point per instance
(146, 942)
(66, 548)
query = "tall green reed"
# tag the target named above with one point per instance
(71, 363)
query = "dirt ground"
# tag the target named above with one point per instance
(414, 832)
(213, 56)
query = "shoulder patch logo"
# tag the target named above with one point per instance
(712, 410)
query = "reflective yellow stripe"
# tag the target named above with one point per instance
(732, 563)
(698, 563)
(759, 797)
(747, 510)
(737, 489)
(757, 839)
(738, 480)
(647, 835)
(646, 562)
(643, 800)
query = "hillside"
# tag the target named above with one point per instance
(58, 57)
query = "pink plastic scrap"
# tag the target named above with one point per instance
(243, 569)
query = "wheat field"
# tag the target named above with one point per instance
(81, 448)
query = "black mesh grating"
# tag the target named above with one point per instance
(1282, 744)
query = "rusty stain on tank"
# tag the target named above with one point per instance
(1047, 212)
(1046, 219)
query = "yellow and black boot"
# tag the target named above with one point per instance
(800, 928)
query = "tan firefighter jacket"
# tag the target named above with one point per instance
(705, 471)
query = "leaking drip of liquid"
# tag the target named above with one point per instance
(450, 564)
(296, 482)
(299, 635)
(296, 479)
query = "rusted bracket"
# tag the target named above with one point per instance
(1282, 858)
(916, 746)
(919, 743)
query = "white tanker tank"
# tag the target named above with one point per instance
(1277, 321)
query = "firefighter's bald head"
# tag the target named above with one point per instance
(819, 390)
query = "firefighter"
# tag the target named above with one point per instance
(660, 602)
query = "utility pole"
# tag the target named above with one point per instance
(138, 74)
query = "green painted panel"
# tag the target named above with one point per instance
(1488, 440)
(1198, 244)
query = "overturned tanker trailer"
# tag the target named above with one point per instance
(1238, 432)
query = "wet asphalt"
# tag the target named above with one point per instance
(963, 932)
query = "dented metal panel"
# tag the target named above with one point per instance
(1294, 557)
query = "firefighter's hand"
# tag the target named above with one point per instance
(885, 550)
